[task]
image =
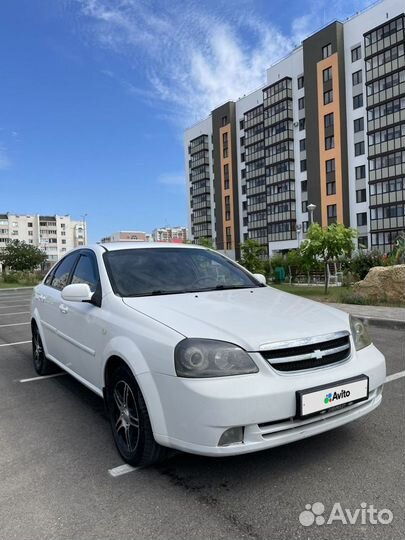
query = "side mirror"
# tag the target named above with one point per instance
(77, 292)
(260, 278)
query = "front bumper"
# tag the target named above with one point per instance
(194, 413)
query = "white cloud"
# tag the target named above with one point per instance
(195, 56)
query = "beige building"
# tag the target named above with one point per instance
(127, 236)
(53, 234)
(170, 234)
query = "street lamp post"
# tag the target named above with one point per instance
(298, 228)
(311, 207)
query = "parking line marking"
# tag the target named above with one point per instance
(17, 313)
(395, 376)
(32, 379)
(14, 324)
(15, 305)
(122, 469)
(16, 343)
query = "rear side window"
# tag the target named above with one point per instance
(62, 272)
(86, 271)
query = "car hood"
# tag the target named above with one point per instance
(250, 318)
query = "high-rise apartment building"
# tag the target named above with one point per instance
(170, 234)
(326, 130)
(55, 235)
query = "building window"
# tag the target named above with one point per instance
(329, 120)
(224, 120)
(30, 224)
(302, 145)
(331, 187)
(361, 195)
(359, 148)
(226, 176)
(329, 142)
(362, 242)
(332, 213)
(300, 82)
(241, 124)
(360, 172)
(242, 141)
(358, 124)
(304, 186)
(327, 50)
(302, 124)
(303, 165)
(301, 103)
(357, 77)
(304, 205)
(356, 53)
(227, 208)
(361, 219)
(327, 97)
(327, 74)
(330, 165)
(30, 233)
(357, 101)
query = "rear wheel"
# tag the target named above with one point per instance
(129, 419)
(42, 365)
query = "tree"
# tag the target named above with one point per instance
(252, 256)
(328, 244)
(22, 257)
(205, 242)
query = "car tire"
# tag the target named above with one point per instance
(130, 423)
(42, 365)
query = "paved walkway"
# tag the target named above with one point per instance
(389, 315)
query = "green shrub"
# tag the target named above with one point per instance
(361, 263)
(352, 298)
(12, 277)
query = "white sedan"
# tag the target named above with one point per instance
(192, 352)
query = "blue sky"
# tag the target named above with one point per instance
(95, 96)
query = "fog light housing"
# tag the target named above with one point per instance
(232, 435)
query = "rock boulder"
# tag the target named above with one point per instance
(383, 283)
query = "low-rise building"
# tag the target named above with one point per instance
(53, 234)
(170, 234)
(128, 236)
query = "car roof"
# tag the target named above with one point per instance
(114, 246)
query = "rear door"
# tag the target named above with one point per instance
(49, 301)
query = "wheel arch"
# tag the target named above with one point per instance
(146, 385)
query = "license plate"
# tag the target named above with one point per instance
(328, 396)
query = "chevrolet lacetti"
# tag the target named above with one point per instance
(192, 352)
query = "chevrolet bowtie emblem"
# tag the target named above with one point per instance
(318, 354)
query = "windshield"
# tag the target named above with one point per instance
(155, 271)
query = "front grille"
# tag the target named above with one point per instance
(312, 353)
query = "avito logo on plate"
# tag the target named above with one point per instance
(332, 396)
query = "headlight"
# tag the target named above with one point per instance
(360, 333)
(209, 358)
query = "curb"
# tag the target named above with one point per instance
(395, 324)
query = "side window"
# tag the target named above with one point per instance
(86, 272)
(62, 272)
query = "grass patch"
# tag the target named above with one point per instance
(340, 295)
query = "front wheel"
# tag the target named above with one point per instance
(129, 419)
(42, 365)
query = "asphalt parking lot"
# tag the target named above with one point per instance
(57, 453)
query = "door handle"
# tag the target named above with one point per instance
(63, 308)
(41, 297)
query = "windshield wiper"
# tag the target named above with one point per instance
(228, 287)
(156, 292)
